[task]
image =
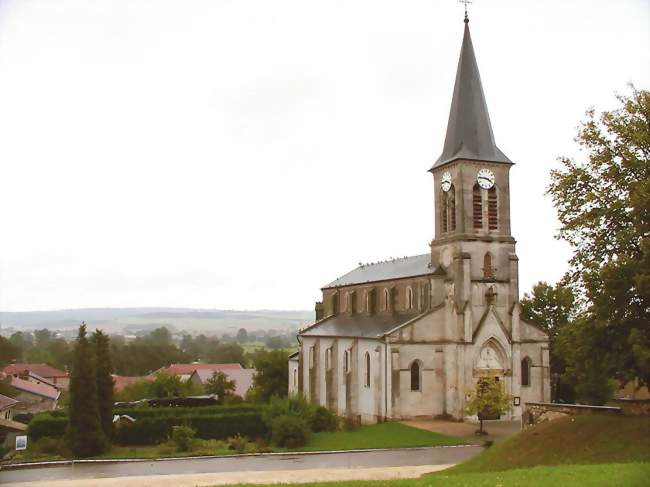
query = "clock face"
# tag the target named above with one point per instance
(445, 182)
(485, 178)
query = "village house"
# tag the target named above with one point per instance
(58, 378)
(34, 398)
(243, 378)
(411, 336)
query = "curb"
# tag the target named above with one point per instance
(57, 463)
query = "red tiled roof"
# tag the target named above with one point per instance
(39, 389)
(6, 402)
(43, 370)
(182, 369)
(243, 378)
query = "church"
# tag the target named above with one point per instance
(410, 337)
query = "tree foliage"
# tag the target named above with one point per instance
(104, 380)
(271, 377)
(488, 399)
(603, 204)
(84, 435)
(220, 385)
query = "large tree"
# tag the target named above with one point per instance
(271, 377)
(104, 380)
(84, 435)
(220, 385)
(603, 204)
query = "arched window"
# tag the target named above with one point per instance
(415, 376)
(409, 297)
(493, 209)
(367, 371)
(369, 302)
(488, 271)
(312, 357)
(328, 358)
(347, 365)
(335, 303)
(477, 207)
(386, 299)
(525, 372)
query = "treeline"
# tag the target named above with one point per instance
(142, 355)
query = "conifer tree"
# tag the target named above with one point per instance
(84, 435)
(104, 380)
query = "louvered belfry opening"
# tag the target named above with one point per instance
(451, 208)
(477, 207)
(443, 213)
(493, 215)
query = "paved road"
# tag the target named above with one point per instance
(366, 459)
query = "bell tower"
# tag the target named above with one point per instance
(472, 189)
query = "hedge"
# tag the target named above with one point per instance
(146, 431)
(149, 412)
(46, 425)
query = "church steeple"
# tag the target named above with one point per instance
(469, 132)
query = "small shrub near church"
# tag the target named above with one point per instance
(289, 431)
(45, 425)
(322, 419)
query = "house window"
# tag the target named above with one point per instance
(347, 364)
(312, 357)
(488, 271)
(493, 211)
(367, 371)
(477, 207)
(409, 297)
(525, 372)
(415, 375)
(328, 358)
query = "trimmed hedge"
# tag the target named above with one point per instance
(150, 412)
(46, 425)
(151, 430)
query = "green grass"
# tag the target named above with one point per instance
(613, 474)
(384, 435)
(583, 439)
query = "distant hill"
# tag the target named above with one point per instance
(131, 320)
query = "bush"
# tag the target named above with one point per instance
(237, 443)
(50, 446)
(323, 419)
(287, 406)
(289, 431)
(150, 412)
(46, 425)
(183, 436)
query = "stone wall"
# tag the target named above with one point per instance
(539, 412)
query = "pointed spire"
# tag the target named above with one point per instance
(469, 132)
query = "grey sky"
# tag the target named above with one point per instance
(240, 154)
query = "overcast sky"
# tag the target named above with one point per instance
(241, 154)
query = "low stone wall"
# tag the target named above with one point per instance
(539, 412)
(635, 407)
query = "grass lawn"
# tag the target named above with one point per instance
(383, 435)
(612, 474)
(582, 439)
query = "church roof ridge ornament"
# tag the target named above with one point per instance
(469, 131)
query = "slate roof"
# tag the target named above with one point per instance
(357, 326)
(469, 131)
(416, 265)
(42, 390)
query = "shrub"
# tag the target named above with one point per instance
(45, 425)
(323, 419)
(183, 436)
(289, 431)
(50, 446)
(237, 443)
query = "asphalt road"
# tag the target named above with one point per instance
(364, 459)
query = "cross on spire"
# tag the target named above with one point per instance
(466, 3)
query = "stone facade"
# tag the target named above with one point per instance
(410, 337)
